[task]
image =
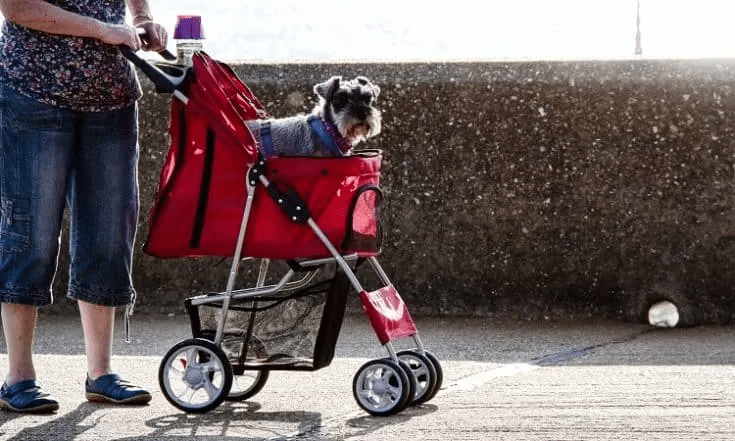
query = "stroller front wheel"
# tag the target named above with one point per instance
(382, 387)
(195, 375)
(439, 375)
(423, 371)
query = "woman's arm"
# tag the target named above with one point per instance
(45, 17)
(139, 10)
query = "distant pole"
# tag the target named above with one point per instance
(638, 48)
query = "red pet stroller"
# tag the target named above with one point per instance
(218, 197)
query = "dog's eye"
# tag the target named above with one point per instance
(366, 98)
(340, 100)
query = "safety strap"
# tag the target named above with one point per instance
(318, 127)
(325, 136)
(266, 140)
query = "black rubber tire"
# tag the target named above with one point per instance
(392, 386)
(196, 364)
(439, 375)
(423, 371)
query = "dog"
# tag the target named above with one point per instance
(345, 115)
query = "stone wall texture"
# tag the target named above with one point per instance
(526, 189)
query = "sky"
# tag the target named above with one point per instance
(411, 30)
(456, 30)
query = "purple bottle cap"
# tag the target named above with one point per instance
(188, 27)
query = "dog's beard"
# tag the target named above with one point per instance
(355, 130)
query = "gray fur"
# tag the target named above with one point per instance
(291, 136)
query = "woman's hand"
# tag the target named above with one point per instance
(155, 37)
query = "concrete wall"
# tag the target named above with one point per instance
(530, 189)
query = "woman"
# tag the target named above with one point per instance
(68, 136)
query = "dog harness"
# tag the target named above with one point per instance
(335, 144)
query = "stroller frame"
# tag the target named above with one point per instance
(201, 367)
(285, 283)
(404, 378)
(296, 210)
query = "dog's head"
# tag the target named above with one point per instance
(350, 107)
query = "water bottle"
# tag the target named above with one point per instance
(188, 36)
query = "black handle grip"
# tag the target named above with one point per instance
(166, 55)
(165, 82)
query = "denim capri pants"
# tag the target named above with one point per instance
(51, 158)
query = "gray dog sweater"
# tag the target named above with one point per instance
(291, 137)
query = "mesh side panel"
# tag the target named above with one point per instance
(364, 232)
(284, 330)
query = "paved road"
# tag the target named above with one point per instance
(503, 381)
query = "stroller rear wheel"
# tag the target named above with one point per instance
(195, 375)
(246, 384)
(382, 387)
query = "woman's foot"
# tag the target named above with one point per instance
(111, 388)
(26, 396)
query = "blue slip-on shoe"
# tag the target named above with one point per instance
(112, 389)
(26, 396)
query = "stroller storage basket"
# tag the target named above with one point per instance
(282, 331)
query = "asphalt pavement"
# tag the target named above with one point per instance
(503, 380)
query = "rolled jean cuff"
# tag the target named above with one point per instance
(23, 296)
(100, 296)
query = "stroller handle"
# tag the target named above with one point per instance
(166, 77)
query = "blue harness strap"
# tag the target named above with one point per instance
(317, 126)
(266, 140)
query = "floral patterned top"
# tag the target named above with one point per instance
(72, 72)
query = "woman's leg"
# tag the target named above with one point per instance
(98, 324)
(19, 324)
(103, 198)
(35, 155)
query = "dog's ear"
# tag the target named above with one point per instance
(363, 81)
(327, 88)
(376, 90)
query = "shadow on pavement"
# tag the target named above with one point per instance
(224, 423)
(367, 424)
(228, 421)
(65, 428)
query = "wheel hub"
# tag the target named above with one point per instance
(194, 376)
(380, 387)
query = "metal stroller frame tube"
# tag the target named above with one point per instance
(337, 256)
(181, 97)
(283, 284)
(235, 265)
(378, 270)
(323, 238)
(264, 263)
(384, 277)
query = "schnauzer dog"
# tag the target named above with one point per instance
(345, 115)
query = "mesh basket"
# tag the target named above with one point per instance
(290, 330)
